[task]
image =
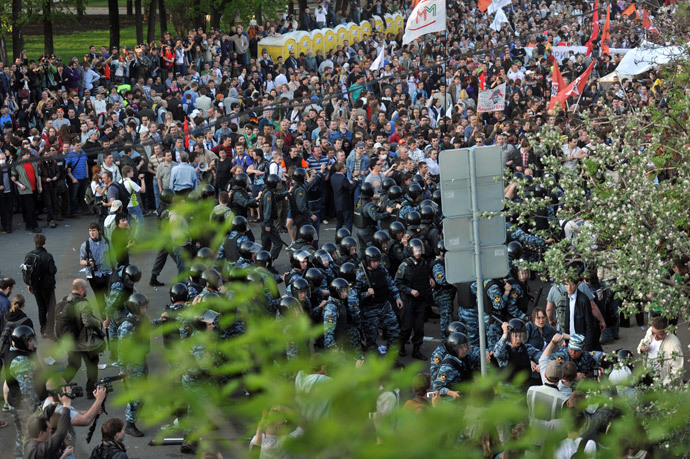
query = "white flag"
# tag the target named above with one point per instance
(379, 61)
(497, 5)
(427, 17)
(499, 19)
(492, 100)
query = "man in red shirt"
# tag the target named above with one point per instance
(25, 177)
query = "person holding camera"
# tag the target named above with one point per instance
(43, 444)
(95, 255)
(85, 330)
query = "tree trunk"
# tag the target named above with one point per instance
(197, 14)
(130, 11)
(48, 27)
(114, 19)
(151, 32)
(217, 14)
(163, 17)
(17, 29)
(3, 50)
(259, 15)
(80, 8)
(138, 21)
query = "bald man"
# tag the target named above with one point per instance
(87, 334)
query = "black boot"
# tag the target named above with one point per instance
(188, 447)
(402, 352)
(131, 430)
(416, 353)
(154, 282)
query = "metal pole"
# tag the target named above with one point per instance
(477, 258)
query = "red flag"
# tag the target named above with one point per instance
(186, 132)
(557, 83)
(605, 32)
(414, 3)
(482, 81)
(647, 22)
(595, 29)
(630, 11)
(574, 89)
(484, 4)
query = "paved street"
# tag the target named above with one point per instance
(64, 241)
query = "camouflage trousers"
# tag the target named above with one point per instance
(380, 315)
(134, 374)
(20, 416)
(444, 300)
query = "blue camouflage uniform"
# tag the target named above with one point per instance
(407, 207)
(193, 290)
(115, 310)
(334, 314)
(515, 233)
(453, 370)
(502, 354)
(437, 357)
(469, 316)
(587, 363)
(354, 319)
(443, 293)
(22, 404)
(376, 311)
(134, 367)
(239, 241)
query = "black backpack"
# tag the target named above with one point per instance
(65, 319)
(31, 270)
(122, 195)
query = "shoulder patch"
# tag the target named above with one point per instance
(497, 299)
(330, 321)
(437, 359)
(300, 193)
(443, 377)
(515, 294)
(439, 275)
(399, 273)
(268, 198)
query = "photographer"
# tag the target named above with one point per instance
(77, 418)
(41, 443)
(95, 255)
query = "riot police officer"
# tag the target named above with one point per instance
(381, 240)
(456, 367)
(348, 251)
(300, 214)
(444, 292)
(323, 261)
(393, 200)
(122, 287)
(306, 238)
(396, 251)
(411, 200)
(377, 291)
(193, 282)
(366, 215)
(248, 251)
(299, 262)
(229, 248)
(440, 352)
(511, 351)
(413, 279)
(178, 301)
(335, 317)
(428, 232)
(270, 239)
(240, 200)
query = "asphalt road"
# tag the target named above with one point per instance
(64, 242)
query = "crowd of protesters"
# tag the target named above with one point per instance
(120, 133)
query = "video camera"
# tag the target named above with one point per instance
(77, 391)
(107, 382)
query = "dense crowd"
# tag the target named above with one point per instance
(122, 135)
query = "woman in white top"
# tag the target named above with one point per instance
(432, 162)
(99, 191)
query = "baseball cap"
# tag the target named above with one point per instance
(576, 342)
(553, 371)
(116, 205)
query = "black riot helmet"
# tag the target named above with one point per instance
(195, 272)
(419, 180)
(348, 271)
(207, 191)
(539, 190)
(321, 259)
(625, 358)
(307, 233)
(367, 190)
(514, 250)
(455, 342)
(441, 248)
(263, 258)
(288, 303)
(240, 181)
(21, 336)
(341, 234)
(346, 246)
(436, 197)
(387, 184)
(332, 249)
(413, 219)
(210, 278)
(339, 288)
(394, 193)
(255, 277)
(204, 253)
(300, 175)
(132, 274)
(381, 240)
(298, 257)
(167, 195)
(239, 224)
(299, 284)
(455, 327)
(314, 277)
(414, 191)
(135, 303)
(516, 326)
(178, 292)
(396, 229)
(426, 213)
(248, 249)
(272, 181)
(416, 247)
(372, 254)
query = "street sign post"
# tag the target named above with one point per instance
(472, 182)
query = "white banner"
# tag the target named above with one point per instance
(562, 53)
(427, 17)
(492, 100)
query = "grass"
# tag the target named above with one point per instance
(77, 43)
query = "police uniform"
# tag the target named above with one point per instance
(270, 240)
(230, 247)
(133, 330)
(518, 359)
(299, 206)
(587, 363)
(444, 294)
(407, 206)
(115, 310)
(453, 371)
(437, 357)
(413, 274)
(516, 233)
(22, 397)
(193, 289)
(335, 322)
(396, 255)
(365, 219)
(376, 310)
(240, 201)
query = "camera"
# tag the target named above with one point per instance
(107, 382)
(77, 391)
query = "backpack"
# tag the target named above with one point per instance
(31, 271)
(122, 195)
(7, 333)
(104, 451)
(89, 197)
(65, 320)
